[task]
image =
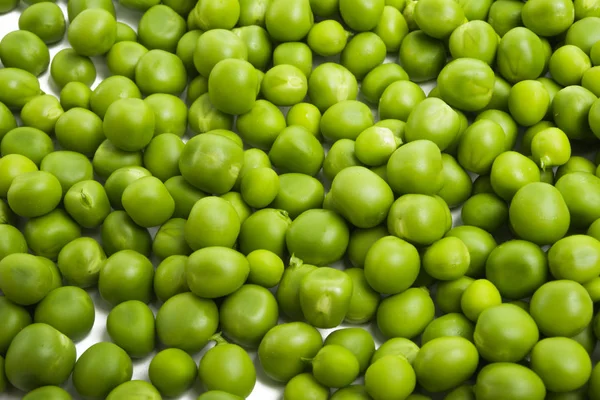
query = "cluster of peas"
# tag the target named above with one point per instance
(513, 288)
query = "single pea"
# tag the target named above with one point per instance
(252, 12)
(554, 316)
(123, 57)
(161, 156)
(382, 265)
(532, 95)
(265, 229)
(474, 39)
(232, 86)
(568, 64)
(588, 185)
(453, 324)
(466, 83)
(14, 319)
(392, 28)
(330, 84)
(130, 325)
(505, 327)
(152, 193)
(416, 167)
(364, 51)
(335, 366)
(196, 88)
(510, 172)
(402, 347)
(399, 99)
(75, 95)
(530, 133)
(100, 369)
(169, 239)
(516, 381)
(80, 261)
(25, 50)
(18, 87)
(590, 80)
(126, 275)
(169, 278)
(161, 27)
(457, 183)
(120, 232)
(361, 241)
(14, 241)
(361, 16)
(119, 180)
(418, 218)
(447, 259)
(520, 44)
(7, 120)
(550, 148)
(39, 355)
(284, 85)
(500, 95)
(227, 367)
(297, 54)
(216, 45)
(69, 309)
(345, 120)
(584, 33)
(110, 90)
(92, 32)
(68, 167)
(481, 134)
(296, 150)
(172, 372)
(125, 33)
(327, 38)
(159, 71)
(306, 115)
(479, 296)
(434, 120)
(375, 145)
(438, 18)
(258, 42)
(548, 360)
(42, 112)
(449, 294)
(329, 285)
(576, 102)
(565, 260)
(422, 57)
(548, 19)
(209, 278)
(390, 376)
(186, 46)
(444, 363)
(134, 388)
(266, 268)
(575, 164)
(34, 194)
(298, 193)
(340, 156)
(406, 314)
(204, 117)
(261, 125)
(305, 384)
(212, 222)
(29, 142)
(486, 211)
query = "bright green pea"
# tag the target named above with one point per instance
(379, 79)
(399, 99)
(172, 372)
(406, 314)
(284, 85)
(392, 28)
(486, 211)
(126, 275)
(419, 219)
(170, 239)
(159, 71)
(457, 182)
(211, 279)
(87, 203)
(327, 38)
(169, 278)
(453, 324)
(517, 381)
(523, 45)
(161, 27)
(131, 326)
(480, 295)
(335, 366)
(433, 120)
(438, 18)
(110, 90)
(80, 261)
(422, 57)
(48, 392)
(390, 376)
(25, 279)
(580, 201)
(265, 229)
(363, 52)
(24, 50)
(550, 148)
(123, 57)
(381, 265)
(305, 384)
(297, 150)
(568, 64)
(92, 32)
(75, 95)
(375, 145)
(528, 95)
(158, 203)
(212, 222)
(297, 54)
(18, 87)
(481, 134)
(331, 83)
(162, 154)
(512, 171)
(34, 194)
(258, 42)
(75, 7)
(466, 83)
(416, 167)
(29, 142)
(361, 15)
(125, 33)
(69, 309)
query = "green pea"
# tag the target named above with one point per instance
(372, 51)
(265, 229)
(517, 381)
(209, 279)
(288, 290)
(242, 209)
(305, 385)
(125, 33)
(361, 15)
(582, 212)
(134, 388)
(327, 38)
(474, 39)
(14, 241)
(297, 54)
(282, 350)
(550, 147)
(126, 275)
(405, 314)
(422, 56)
(500, 95)
(298, 193)
(110, 90)
(29, 142)
(161, 27)
(266, 268)
(99, 28)
(423, 124)
(481, 134)
(505, 15)
(532, 95)
(392, 28)
(170, 240)
(480, 295)
(577, 102)
(123, 57)
(24, 50)
(18, 87)
(131, 326)
(297, 150)
(100, 369)
(79, 130)
(159, 71)
(252, 12)
(212, 222)
(48, 234)
(381, 265)
(418, 218)
(453, 324)
(120, 232)
(399, 99)
(75, 95)
(218, 395)
(390, 376)
(228, 367)
(486, 211)
(575, 164)
(14, 318)
(449, 294)
(80, 261)
(583, 33)
(457, 182)
(68, 167)
(172, 372)
(335, 366)
(565, 261)
(331, 83)
(416, 167)
(568, 64)
(169, 278)
(29, 364)
(196, 88)
(325, 283)
(520, 43)
(150, 191)
(510, 172)
(46, 392)
(162, 154)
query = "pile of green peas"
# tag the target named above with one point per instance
(228, 197)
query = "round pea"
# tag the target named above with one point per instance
(288, 290)
(474, 39)
(212, 222)
(416, 167)
(159, 205)
(480, 295)
(557, 317)
(515, 380)
(357, 340)
(159, 71)
(39, 355)
(305, 385)
(418, 219)
(186, 322)
(27, 141)
(92, 32)
(14, 319)
(406, 314)
(100, 369)
(131, 326)
(447, 259)
(110, 90)
(382, 265)
(325, 284)
(364, 300)
(331, 83)
(67, 66)
(126, 275)
(525, 46)
(120, 232)
(34, 194)
(390, 376)
(123, 57)
(18, 87)
(298, 193)
(75, 7)
(161, 27)
(467, 84)
(172, 372)
(25, 50)
(422, 56)
(48, 392)
(283, 348)
(162, 154)
(80, 261)
(211, 279)
(568, 64)
(453, 324)
(327, 38)
(422, 125)
(576, 102)
(265, 229)
(399, 99)
(335, 366)
(363, 52)
(75, 95)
